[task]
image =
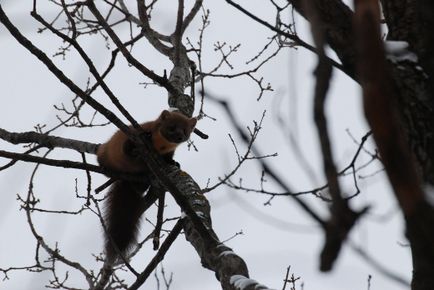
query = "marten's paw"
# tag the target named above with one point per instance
(173, 162)
(130, 149)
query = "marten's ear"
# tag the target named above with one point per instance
(164, 114)
(192, 122)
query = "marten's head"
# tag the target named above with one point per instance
(176, 127)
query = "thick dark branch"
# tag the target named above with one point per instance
(425, 15)
(323, 75)
(380, 108)
(342, 216)
(409, 21)
(51, 162)
(412, 22)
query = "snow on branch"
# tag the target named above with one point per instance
(398, 51)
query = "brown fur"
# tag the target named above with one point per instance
(125, 200)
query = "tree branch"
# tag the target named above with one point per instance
(51, 162)
(47, 141)
(58, 73)
(191, 14)
(382, 115)
(132, 60)
(342, 216)
(298, 41)
(265, 166)
(337, 20)
(89, 63)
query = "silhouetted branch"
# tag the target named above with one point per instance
(265, 166)
(89, 63)
(58, 73)
(132, 60)
(342, 216)
(370, 259)
(382, 115)
(298, 41)
(159, 256)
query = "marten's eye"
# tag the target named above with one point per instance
(172, 128)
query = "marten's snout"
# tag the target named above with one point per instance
(175, 134)
(179, 139)
(179, 136)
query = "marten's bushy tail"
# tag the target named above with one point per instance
(123, 209)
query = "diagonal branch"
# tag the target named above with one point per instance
(174, 233)
(130, 58)
(342, 217)
(89, 63)
(153, 36)
(58, 73)
(191, 14)
(293, 37)
(265, 166)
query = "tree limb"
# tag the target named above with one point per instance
(382, 115)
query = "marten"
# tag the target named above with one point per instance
(123, 206)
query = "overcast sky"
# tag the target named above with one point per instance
(274, 237)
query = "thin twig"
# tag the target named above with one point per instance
(159, 256)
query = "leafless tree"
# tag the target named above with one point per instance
(75, 21)
(397, 100)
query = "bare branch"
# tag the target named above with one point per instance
(132, 60)
(54, 253)
(90, 64)
(177, 35)
(342, 216)
(378, 266)
(47, 141)
(293, 37)
(265, 166)
(58, 73)
(51, 162)
(153, 36)
(191, 14)
(174, 233)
